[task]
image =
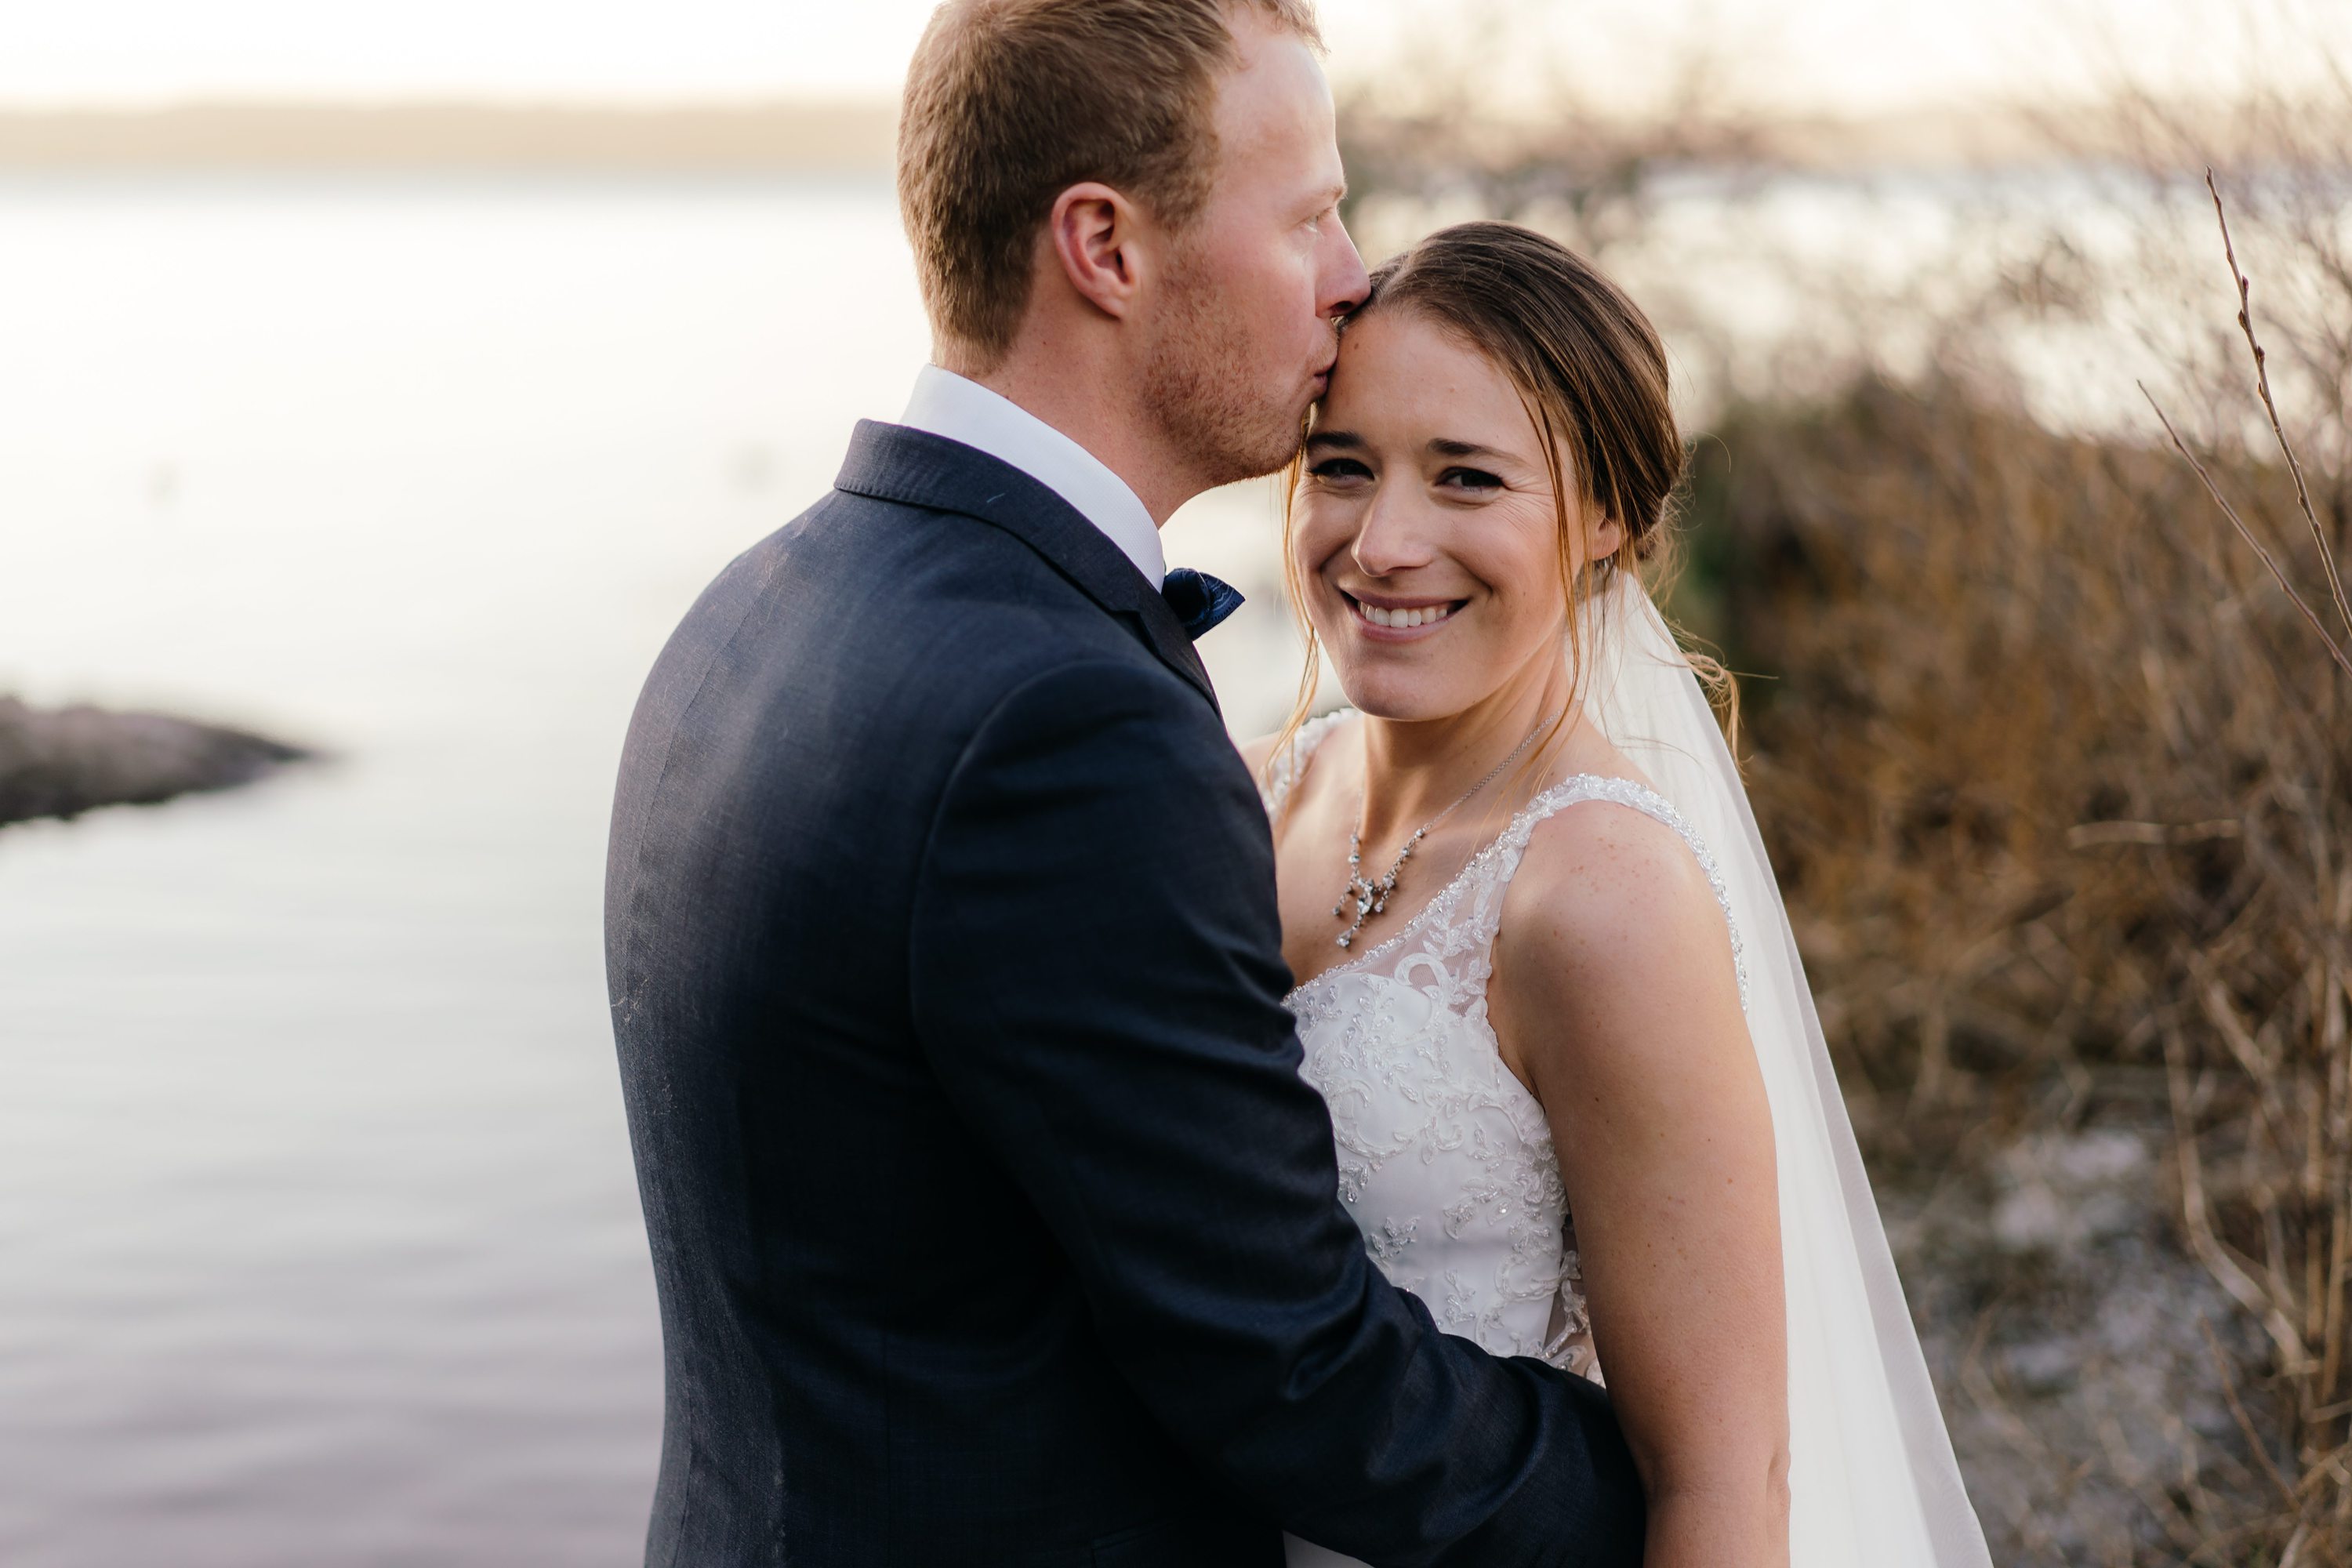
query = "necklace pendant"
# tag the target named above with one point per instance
(1372, 897)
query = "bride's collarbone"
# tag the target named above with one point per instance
(1321, 893)
(1320, 901)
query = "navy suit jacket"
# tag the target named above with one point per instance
(992, 1220)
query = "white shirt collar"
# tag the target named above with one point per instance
(946, 404)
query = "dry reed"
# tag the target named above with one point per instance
(2059, 776)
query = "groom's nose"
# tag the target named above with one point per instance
(1345, 281)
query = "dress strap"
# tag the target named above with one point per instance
(1290, 762)
(1508, 849)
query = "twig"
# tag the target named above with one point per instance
(2245, 1423)
(2295, 1361)
(2262, 383)
(2089, 835)
(2246, 533)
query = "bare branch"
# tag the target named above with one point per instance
(2262, 381)
(2238, 522)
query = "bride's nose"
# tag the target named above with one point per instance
(1391, 539)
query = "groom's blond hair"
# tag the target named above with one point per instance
(1011, 103)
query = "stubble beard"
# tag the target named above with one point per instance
(1209, 399)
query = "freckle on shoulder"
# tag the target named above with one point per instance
(1598, 866)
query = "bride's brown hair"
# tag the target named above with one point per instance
(1592, 374)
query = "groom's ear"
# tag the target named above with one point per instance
(1094, 232)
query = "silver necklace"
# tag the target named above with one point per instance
(1372, 897)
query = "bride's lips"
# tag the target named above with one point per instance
(1385, 620)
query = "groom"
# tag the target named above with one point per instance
(993, 1222)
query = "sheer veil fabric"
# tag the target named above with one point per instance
(1872, 1480)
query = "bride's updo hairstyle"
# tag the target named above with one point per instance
(1592, 373)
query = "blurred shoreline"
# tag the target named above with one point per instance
(753, 137)
(854, 136)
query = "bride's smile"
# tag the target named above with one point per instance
(1395, 620)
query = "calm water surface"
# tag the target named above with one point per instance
(322, 1241)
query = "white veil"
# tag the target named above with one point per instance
(1872, 1480)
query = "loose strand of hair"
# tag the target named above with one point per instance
(1310, 674)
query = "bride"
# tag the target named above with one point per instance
(1545, 982)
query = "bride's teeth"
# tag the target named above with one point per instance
(1403, 619)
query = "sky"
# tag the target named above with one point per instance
(1837, 55)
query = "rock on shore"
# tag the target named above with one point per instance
(63, 762)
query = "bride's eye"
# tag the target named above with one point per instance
(1474, 480)
(1339, 470)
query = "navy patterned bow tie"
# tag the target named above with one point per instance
(1199, 600)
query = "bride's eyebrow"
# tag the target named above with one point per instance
(1442, 447)
(1345, 440)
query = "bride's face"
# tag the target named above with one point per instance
(1427, 537)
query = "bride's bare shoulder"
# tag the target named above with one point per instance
(1257, 752)
(1611, 917)
(1602, 863)
(1305, 740)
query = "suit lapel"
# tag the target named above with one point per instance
(914, 467)
(1168, 639)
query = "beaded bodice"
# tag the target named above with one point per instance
(1445, 1159)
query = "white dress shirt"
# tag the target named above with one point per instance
(949, 404)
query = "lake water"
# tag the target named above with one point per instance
(321, 1237)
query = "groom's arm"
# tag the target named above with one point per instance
(1097, 981)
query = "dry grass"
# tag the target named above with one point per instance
(2059, 777)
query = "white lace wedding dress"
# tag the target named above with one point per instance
(1445, 1159)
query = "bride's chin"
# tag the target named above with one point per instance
(1399, 701)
